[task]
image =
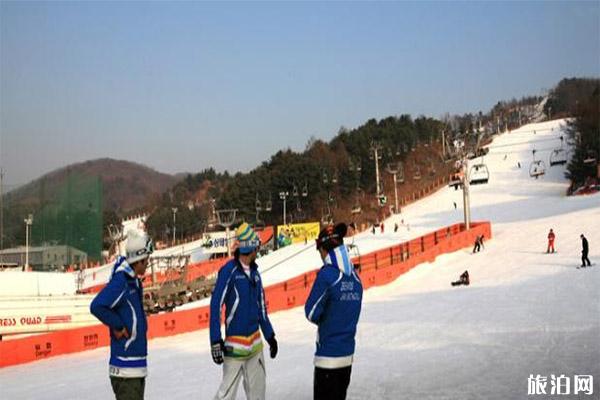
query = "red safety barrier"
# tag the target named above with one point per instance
(377, 268)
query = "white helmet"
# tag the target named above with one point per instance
(138, 247)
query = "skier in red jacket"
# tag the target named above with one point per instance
(550, 241)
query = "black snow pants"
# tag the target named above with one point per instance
(331, 384)
(584, 259)
(128, 388)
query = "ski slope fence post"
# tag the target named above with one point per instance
(375, 269)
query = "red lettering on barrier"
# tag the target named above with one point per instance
(8, 322)
(31, 320)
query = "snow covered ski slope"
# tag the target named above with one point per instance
(525, 313)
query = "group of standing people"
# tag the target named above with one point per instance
(333, 305)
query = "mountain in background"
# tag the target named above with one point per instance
(126, 186)
(96, 192)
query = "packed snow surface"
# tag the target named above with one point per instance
(525, 312)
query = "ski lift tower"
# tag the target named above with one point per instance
(376, 149)
(393, 169)
(283, 195)
(226, 218)
(466, 194)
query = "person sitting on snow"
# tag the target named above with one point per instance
(463, 280)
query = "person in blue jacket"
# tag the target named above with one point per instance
(120, 307)
(334, 305)
(239, 289)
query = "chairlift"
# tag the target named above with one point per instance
(258, 204)
(400, 177)
(455, 180)
(325, 178)
(417, 174)
(269, 205)
(305, 190)
(537, 168)
(479, 174)
(295, 191)
(357, 208)
(559, 155)
(590, 158)
(334, 178)
(326, 219)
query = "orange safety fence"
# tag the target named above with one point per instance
(377, 268)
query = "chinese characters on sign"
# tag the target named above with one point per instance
(560, 385)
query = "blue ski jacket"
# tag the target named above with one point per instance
(245, 310)
(120, 305)
(334, 305)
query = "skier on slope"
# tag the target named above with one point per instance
(478, 244)
(334, 305)
(584, 252)
(551, 237)
(240, 289)
(463, 280)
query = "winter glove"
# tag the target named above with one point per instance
(216, 350)
(272, 346)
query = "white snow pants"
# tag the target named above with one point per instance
(251, 370)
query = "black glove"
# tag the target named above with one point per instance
(272, 346)
(216, 350)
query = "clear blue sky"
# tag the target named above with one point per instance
(181, 86)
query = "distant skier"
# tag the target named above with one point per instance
(334, 305)
(381, 226)
(395, 227)
(463, 280)
(454, 205)
(519, 164)
(551, 237)
(478, 244)
(373, 229)
(506, 155)
(584, 252)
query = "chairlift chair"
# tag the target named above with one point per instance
(455, 180)
(356, 209)
(269, 206)
(400, 177)
(417, 174)
(590, 158)
(305, 190)
(479, 174)
(558, 157)
(537, 168)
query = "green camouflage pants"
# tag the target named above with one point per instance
(128, 388)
